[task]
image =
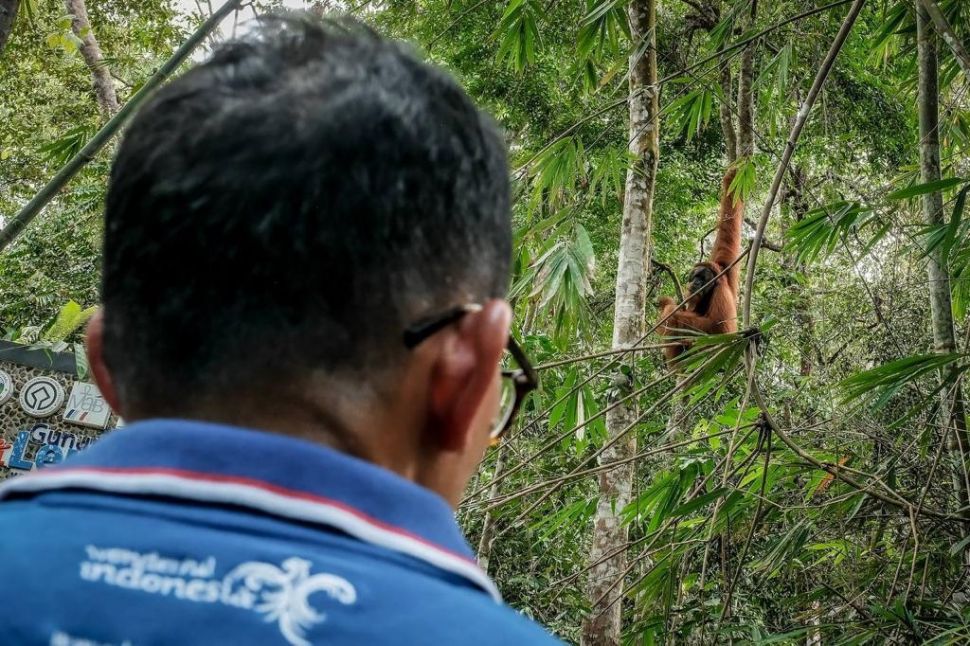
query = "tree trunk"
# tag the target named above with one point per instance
(16, 225)
(952, 411)
(745, 149)
(945, 30)
(488, 525)
(814, 637)
(104, 87)
(603, 625)
(798, 207)
(676, 426)
(746, 94)
(8, 15)
(726, 110)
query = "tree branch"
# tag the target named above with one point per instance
(103, 136)
(673, 277)
(765, 242)
(796, 132)
(948, 35)
(104, 87)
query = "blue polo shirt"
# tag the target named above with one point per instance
(178, 532)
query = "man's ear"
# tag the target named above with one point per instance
(94, 344)
(465, 374)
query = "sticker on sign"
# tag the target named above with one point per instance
(86, 407)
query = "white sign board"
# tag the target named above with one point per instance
(86, 407)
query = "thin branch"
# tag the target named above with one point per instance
(765, 242)
(607, 366)
(673, 277)
(949, 36)
(619, 436)
(747, 544)
(501, 500)
(19, 222)
(686, 70)
(796, 132)
(599, 355)
(892, 498)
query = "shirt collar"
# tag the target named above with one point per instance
(277, 475)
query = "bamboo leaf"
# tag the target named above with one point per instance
(700, 501)
(885, 381)
(69, 319)
(928, 187)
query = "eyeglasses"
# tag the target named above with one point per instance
(516, 383)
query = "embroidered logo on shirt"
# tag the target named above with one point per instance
(281, 594)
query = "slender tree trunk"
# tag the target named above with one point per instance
(8, 15)
(16, 225)
(726, 110)
(804, 321)
(952, 411)
(746, 94)
(814, 637)
(488, 525)
(745, 148)
(603, 625)
(945, 30)
(677, 422)
(104, 87)
(795, 203)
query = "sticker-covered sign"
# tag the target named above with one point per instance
(86, 407)
(6, 387)
(41, 397)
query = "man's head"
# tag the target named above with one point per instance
(278, 216)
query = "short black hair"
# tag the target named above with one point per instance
(289, 207)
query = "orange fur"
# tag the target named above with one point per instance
(717, 314)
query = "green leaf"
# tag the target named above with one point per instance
(928, 187)
(29, 9)
(557, 170)
(745, 180)
(609, 173)
(60, 150)
(961, 546)
(562, 280)
(69, 319)
(885, 381)
(518, 33)
(81, 361)
(700, 501)
(692, 112)
(722, 31)
(893, 21)
(819, 232)
(956, 219)
(601, 29)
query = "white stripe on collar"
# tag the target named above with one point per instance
(257, 495)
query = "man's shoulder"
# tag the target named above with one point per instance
(199, 564)
(475, 619)
(519, 629)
